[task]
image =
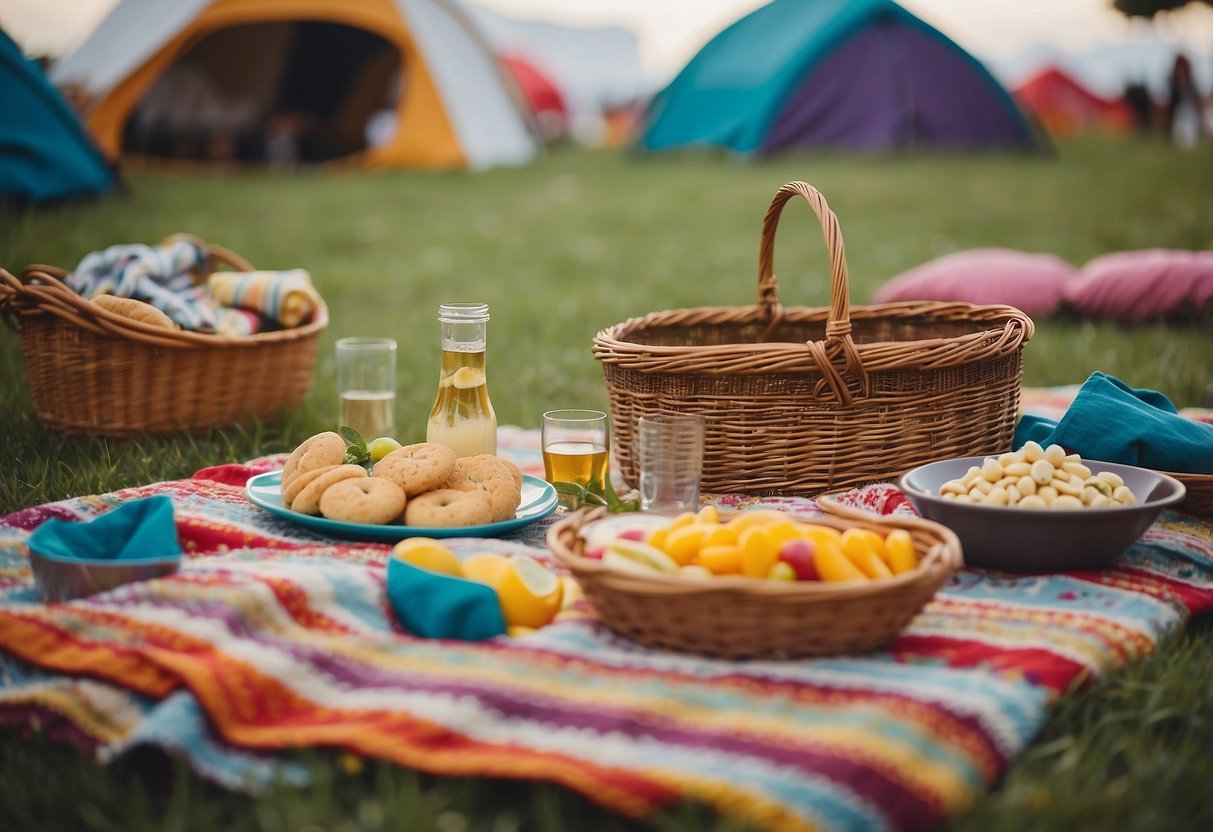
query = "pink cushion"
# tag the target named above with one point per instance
(1136, 285)
(1032, 283)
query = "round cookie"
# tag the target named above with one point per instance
(447, 507)
(308, 499)
(492, 476)
(297, 483)
(363, 500)
(317, 451)
(136, 310)
(417, 468)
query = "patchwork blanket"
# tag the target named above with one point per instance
(274, 638)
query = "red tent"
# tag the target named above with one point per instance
(542, 96)
(1065, 107)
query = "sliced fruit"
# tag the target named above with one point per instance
(625, 564)
(857, 545)
(694, 570)
(641, 553)
(486, 567)
(708, 514)
(427, 554)
(529, 593)
(682, 543)
(757, 517)
(465, 378)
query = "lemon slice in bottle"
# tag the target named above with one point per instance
(465, 378)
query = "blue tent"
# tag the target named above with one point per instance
(45, 153)
(854, 74)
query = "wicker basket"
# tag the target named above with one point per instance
(1199, 499)
(800, 400)
(747, 618)
(96, 373)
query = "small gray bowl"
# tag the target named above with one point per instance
(62, 579)
(1041, 540)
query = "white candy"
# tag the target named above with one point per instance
(1056, 455)
(1042, 471)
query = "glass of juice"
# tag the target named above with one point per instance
(366, 385)
(576, 450)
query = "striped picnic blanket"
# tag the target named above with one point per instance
(274, 638)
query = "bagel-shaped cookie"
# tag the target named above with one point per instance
(317, 451)
(446, 507)
(363, 500)
(490, 475)
(136, 310)
(308, 499)
(417, 468)
(299, 481)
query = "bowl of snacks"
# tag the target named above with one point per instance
(757, 584)
(1040, 509)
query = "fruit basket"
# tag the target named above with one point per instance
(752, 618)
(802, 400)
(98, 373)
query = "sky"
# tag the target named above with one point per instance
(671, 31)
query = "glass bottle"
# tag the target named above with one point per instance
(462, 417)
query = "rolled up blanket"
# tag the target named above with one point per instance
(287, 297)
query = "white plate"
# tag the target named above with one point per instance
(538, 501)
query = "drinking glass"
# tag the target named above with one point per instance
(576, 447)
(366, 385)
(670, 453)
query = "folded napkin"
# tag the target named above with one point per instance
(163, 275)
(140, 530)
(287, 297)
(1112, 422)
(434, 605)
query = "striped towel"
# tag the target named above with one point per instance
(165, 276)
(285, 297)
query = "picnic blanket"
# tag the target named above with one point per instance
(274, 638)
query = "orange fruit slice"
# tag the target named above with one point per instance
(427, 554)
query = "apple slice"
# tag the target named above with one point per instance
(642, 553)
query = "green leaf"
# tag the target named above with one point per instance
(356, 452)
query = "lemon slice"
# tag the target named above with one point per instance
(529, 593)
(466, 378)
(426, 554)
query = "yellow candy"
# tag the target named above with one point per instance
(899, 550)
(759, 552)
(682, 543)
(833, 565)
(708, 514)
(720, 560)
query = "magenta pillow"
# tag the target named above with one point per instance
(1137, 285)
(1033, 283)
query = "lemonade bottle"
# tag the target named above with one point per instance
(462, 417)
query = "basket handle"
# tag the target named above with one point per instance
(837, 346)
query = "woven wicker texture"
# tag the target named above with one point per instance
(748, 618)
(1199, 499)
(801, 400)
(97, 373)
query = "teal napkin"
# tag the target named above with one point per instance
(140, 530)
(434, 605)
(1113, 422)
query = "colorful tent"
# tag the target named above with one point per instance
(861, 74)
(1064, 106)
(45, 153)
(542, 94)
(380, 83)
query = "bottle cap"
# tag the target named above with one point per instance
(463, 313)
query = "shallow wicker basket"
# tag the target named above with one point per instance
(1199, 499)
(746, 618)
(93, 372)
(801, 400)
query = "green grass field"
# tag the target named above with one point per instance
(559, 250)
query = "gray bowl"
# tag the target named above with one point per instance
(1041, 540)
(62, 579)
